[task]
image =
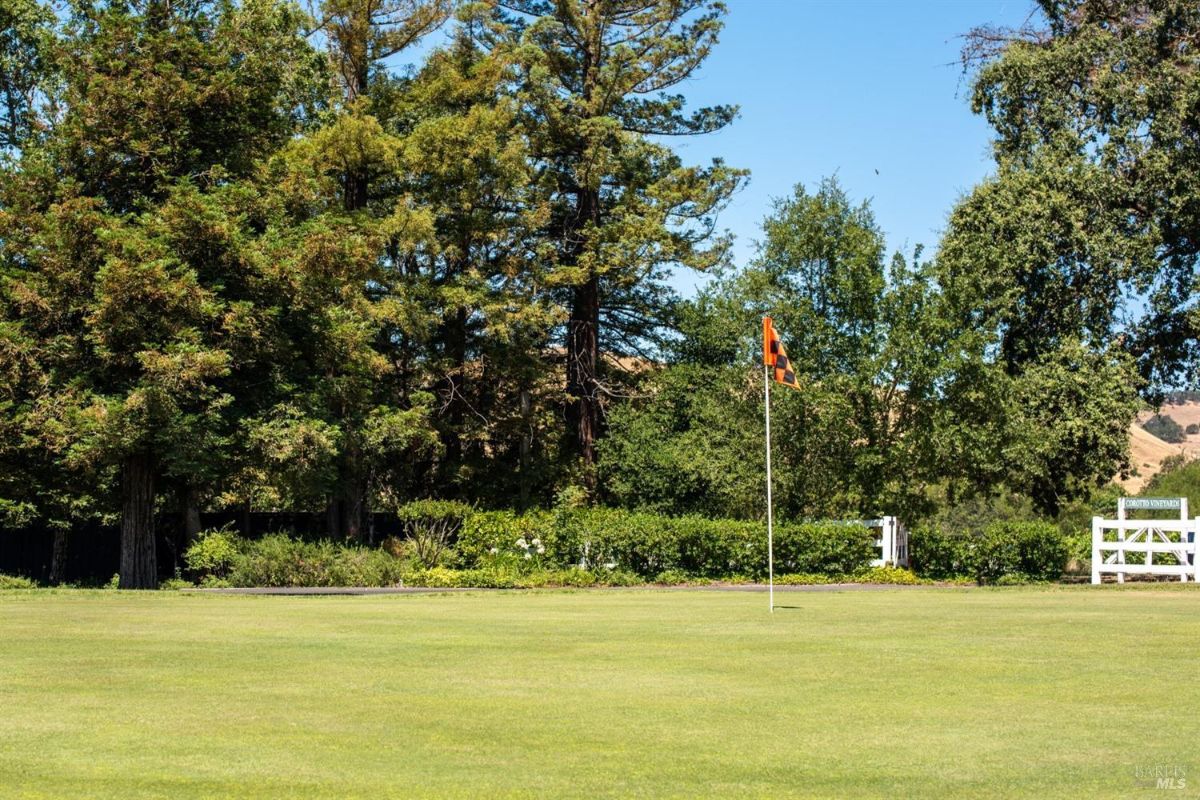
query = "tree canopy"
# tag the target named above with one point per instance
(247, 262)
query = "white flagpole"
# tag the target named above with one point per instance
(770, 519)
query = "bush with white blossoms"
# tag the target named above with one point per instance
(528, 554)
(531, 548)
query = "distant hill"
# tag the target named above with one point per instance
(1147, 451)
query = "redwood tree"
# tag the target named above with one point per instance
(118, 247)
(597, 86)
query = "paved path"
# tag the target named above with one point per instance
(734, 587)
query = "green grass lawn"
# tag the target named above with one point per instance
(919, 693)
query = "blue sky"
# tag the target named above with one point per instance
(848, 88)
(868, 90)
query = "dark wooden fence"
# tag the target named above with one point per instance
(93, 550)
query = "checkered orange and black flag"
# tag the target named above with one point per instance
(775, 356)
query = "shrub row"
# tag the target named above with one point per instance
(16, 582)
(222, 558)
(1003, 551)
(567, 547)
(610, 547)
(648, 545)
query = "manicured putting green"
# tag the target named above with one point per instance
(919, 693)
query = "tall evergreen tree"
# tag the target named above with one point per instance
(26, 68)
(624, 208)
(361, 35)
(119, 272)
(467, 163)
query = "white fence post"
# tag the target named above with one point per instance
(1121, 552)
(1195, 537)
(892, 541)
(1097, 535)
(889, 541)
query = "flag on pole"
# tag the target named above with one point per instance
(775, 357)
(777, 367)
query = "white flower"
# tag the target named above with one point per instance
(537, 542)
(541, 549)
(527, 555)
(494, 550)
(521, 543)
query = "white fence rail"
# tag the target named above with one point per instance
(892, 542)
(1114, 539)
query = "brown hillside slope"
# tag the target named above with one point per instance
(1185, 414)
(1148, 451)
(1146, 454)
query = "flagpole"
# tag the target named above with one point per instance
(770, 517)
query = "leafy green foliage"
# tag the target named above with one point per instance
(279, 560)
(214, 554)
(1034, 550)
(693, 444)
(508, 549)
(864, 435)
(16, 582)
(1090, 215)
(431, 525)
(896, 576)
(1181, 481)
(649, 544)
(26, 68)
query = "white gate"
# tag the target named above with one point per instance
(892, 542)
(1112, 540)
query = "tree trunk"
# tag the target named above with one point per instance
(583, 354)
(354, 182)
(345, 507)
(354, 186)
(351, 504)
(333, 517)
(139, 559)
(452, 437)
(526, 445)
(349, 495)
(191, 516)
(58, 556)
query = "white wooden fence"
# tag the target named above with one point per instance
(1114, 539)
(892, 542)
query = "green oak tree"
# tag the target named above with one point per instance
(857, 439)
(1089, 228)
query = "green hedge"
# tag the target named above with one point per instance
(648, 545)
(1003, 551)
(222, 559)
(568, 547)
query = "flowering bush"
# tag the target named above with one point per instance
(648, 545)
